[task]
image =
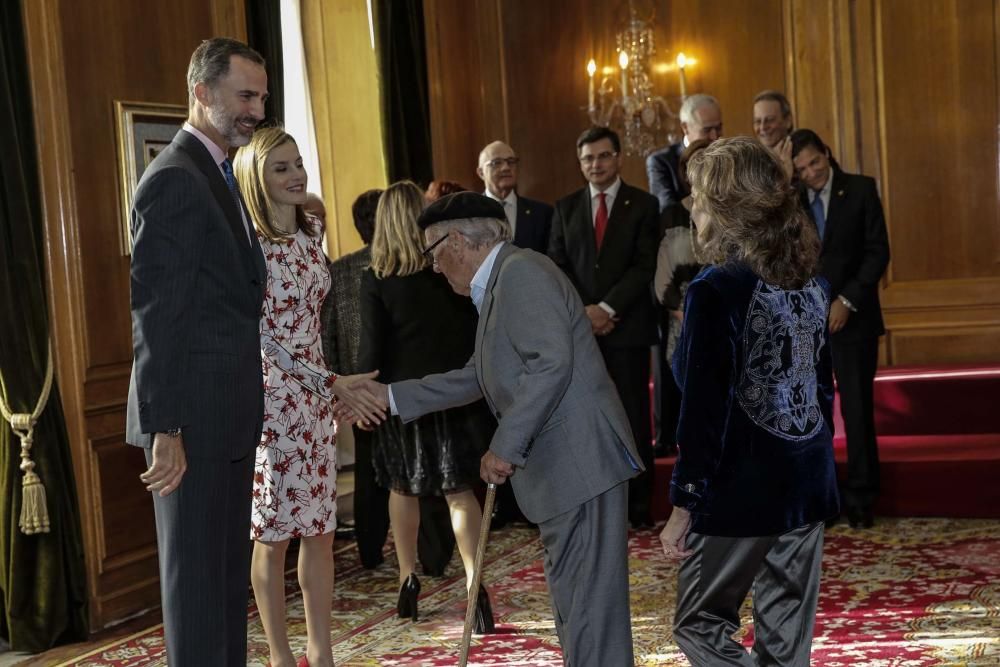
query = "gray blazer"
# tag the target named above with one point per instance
(197, 289)
(537, 364)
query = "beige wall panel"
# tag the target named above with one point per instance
(343, 84)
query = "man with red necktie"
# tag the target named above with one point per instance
(604, 237)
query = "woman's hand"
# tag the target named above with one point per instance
(674, 535)
(367, 400)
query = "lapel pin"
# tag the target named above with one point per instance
(626, 202)
(527, 211)
(840, 193)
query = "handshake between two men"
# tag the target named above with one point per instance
(364, 402)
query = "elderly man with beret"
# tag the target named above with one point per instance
(563, 438)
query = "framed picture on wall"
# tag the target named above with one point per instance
(143, 129)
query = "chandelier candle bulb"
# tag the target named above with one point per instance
(681, 63)
(591, 70)
(623, 63)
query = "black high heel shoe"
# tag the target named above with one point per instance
(484, 614)
(408, 592)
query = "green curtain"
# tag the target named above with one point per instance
(400, 46)
(42, 577)
(264, 35)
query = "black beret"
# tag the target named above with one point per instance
(459, 206)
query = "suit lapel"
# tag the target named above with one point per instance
(838, 194)
(521, 214)
(620, 211)
(484, 316)
(584, 224)
(220, 190)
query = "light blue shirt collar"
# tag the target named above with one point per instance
(478, 285)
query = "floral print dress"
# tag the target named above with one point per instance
(295, 474)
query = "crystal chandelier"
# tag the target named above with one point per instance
(630, 104)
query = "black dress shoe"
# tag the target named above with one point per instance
(408, 592)
(832, 521)
(860, 518)
(498, 520)
(484, 624)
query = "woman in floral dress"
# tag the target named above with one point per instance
(295, 474)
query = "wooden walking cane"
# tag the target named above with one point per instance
(470, 609)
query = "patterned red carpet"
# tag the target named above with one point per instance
(909, 593)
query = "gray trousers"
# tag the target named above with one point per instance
(586, 566)
(203, 540)
(712, 583)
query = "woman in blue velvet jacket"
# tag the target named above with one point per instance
(754, 479)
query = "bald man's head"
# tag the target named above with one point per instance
(498, 169)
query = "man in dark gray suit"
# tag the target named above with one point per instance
(563, 437)
(196, 398)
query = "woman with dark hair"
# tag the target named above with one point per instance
(754, 478)
(295, 471)
(414, 324)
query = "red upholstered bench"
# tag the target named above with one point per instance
(939, 440)
(939, 443)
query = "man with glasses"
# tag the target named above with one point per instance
(772, 125)
(604, 237)
(529, 220)
(562, 437)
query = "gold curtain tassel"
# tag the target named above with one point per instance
(34, 508)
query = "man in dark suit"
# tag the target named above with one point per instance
(604, 238)
(701, 118)
(855, 251)
(529, 220)
(196, 398)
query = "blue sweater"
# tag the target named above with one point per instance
(755, 437)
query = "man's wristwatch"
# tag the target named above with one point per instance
(172, 432)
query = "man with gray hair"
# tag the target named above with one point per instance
(563, 437)
(701, 118)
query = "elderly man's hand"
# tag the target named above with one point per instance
(493, 469)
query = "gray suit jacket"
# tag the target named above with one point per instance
(537, 364)
(197, 289)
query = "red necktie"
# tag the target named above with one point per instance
(601, 221)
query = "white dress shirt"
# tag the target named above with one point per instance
(509, 208)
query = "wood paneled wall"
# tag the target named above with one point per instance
(905, 91)
(83, 56)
